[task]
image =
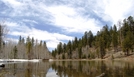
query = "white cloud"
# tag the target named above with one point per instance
(15, 27)
(14, 6)
(16, 33)
(66, 15)
(52, 39)
(114, 10)
(11, 24)
(21, 8)
(30, 21)
(68, 19)
(11, 40)
(39, 34)
(12, 3)
(52, 44)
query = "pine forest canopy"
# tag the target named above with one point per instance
(91, 46)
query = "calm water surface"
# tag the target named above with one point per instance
(68, 69)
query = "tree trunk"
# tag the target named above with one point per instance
(127, 52)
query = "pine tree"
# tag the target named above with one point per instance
(63, 56)
(90, 38)
(53, 53)
(80, 48)
(23, 40)
(106, 36)
(32, 41)
(69, 48)
(85, 38)
(15, 51)
(59, 48)
(80, 52)
(29, 47)
(64, 49)
(114, 38)
(128, 42)
(120, 33)
(102, 47)
(20, 40)
(76, 42)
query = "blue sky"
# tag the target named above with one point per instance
(57, 21)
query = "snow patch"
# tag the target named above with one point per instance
(19, 60)
(50, 60)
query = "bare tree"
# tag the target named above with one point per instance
(3, 32)
(119, 23)
(8, 52)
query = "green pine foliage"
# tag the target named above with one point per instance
(117, 36)
(15, 51)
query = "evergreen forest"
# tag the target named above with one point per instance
(107, 41)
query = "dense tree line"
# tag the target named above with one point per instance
(107, 38)
(32, 49)
(25, 48)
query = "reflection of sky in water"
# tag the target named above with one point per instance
(68, 69)
(51, 73)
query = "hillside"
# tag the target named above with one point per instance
(109, 42)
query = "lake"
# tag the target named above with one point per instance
(68, 69)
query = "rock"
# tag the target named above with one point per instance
(2, 65)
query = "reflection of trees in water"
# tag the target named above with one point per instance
(120, 69)
(93, 68)
(72, 69)
(28, 71)
(14, 66)
(25, 69)
(129, 70)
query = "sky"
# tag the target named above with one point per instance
(57, 21)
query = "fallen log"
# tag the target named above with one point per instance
(101, 75)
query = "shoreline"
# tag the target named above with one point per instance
(77, 60)
(19, 60)
(127, 58)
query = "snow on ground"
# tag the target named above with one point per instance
(50, 60)
(19, 60)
